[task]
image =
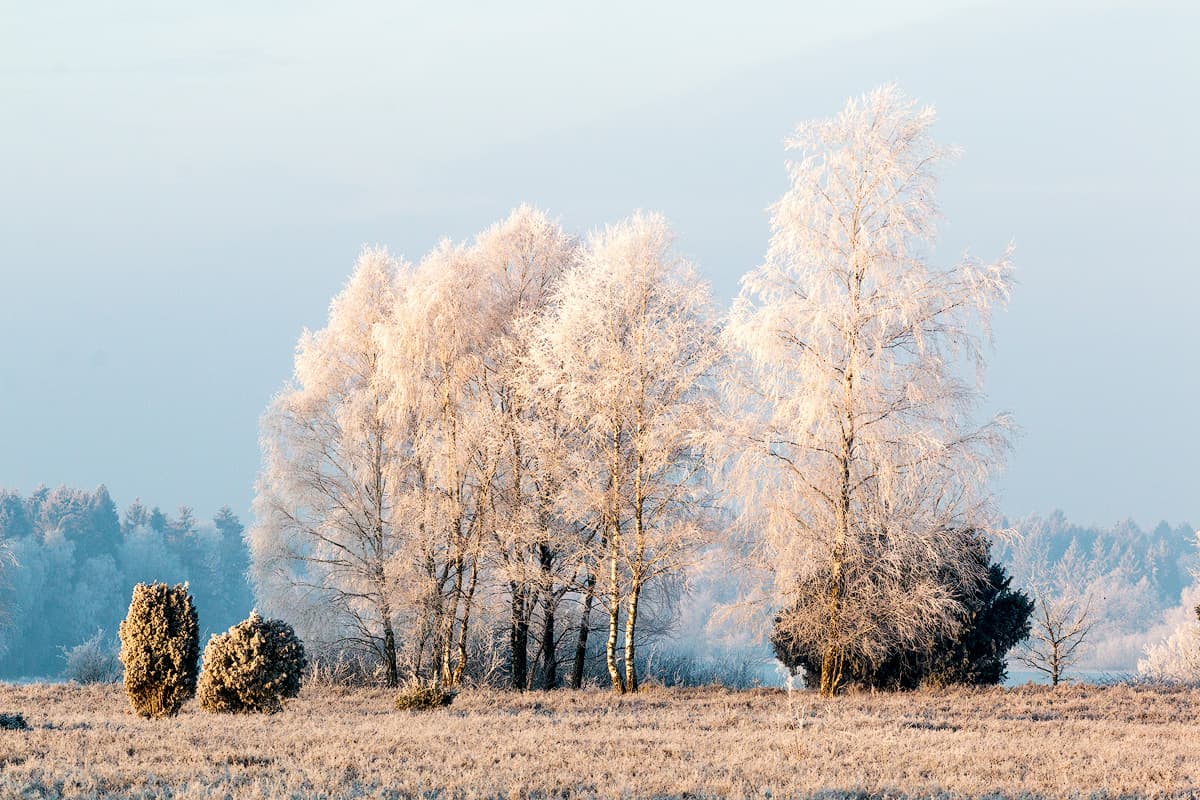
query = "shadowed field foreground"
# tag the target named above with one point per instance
(1030, 741)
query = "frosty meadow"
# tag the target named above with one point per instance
(523, 462)
(1033, 742)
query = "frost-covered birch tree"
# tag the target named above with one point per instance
(412, 468)
(434, 364)
(857, 466)
(482, 509)
(326, 537)
(535, 550)
(628, 347)
(1176, 658)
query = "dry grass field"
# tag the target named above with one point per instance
(1027, 742)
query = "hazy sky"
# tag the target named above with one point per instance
(183, 190)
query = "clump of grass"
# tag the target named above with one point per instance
(423, 697)
(13, 722)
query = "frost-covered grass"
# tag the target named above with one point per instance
(1024, 742)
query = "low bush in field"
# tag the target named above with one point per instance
(93, 661)
(13, 722)
(254, 666)
(423, 697)
(160, 644)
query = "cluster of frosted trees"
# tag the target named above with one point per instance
(512, 419)
(1176, 658)
(487, 459)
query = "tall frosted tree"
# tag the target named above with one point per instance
(325, 536)
(857, 465)
(535, 549)
(480, 503)
(628, 348)
(135, 515)
(435, 370)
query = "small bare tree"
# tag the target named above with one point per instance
(1058, 637)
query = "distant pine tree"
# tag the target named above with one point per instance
(135, 515)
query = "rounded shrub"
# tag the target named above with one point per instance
(418, 696)
(253, 666)
(92, 661)
(160, 645)
(13, 722)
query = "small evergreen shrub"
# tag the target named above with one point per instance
(418, 696)
(160, 645)
(998, 618)
(93, 661)
(254, 666)
(13, 722)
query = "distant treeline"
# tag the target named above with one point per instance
(1133, 578)
(77, 560)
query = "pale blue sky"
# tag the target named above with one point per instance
(181, 191)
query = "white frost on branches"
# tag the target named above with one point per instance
(437, 448)
(858, 468)
(326, 535)
(629, 349)
(1176, 658)
(523, 427)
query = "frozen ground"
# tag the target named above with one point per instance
(1075, 741)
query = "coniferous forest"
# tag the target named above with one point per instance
(77, 557)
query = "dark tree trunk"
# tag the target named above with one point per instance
(549, 599)
(584, 627)
(389, 653)
(519, 639)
